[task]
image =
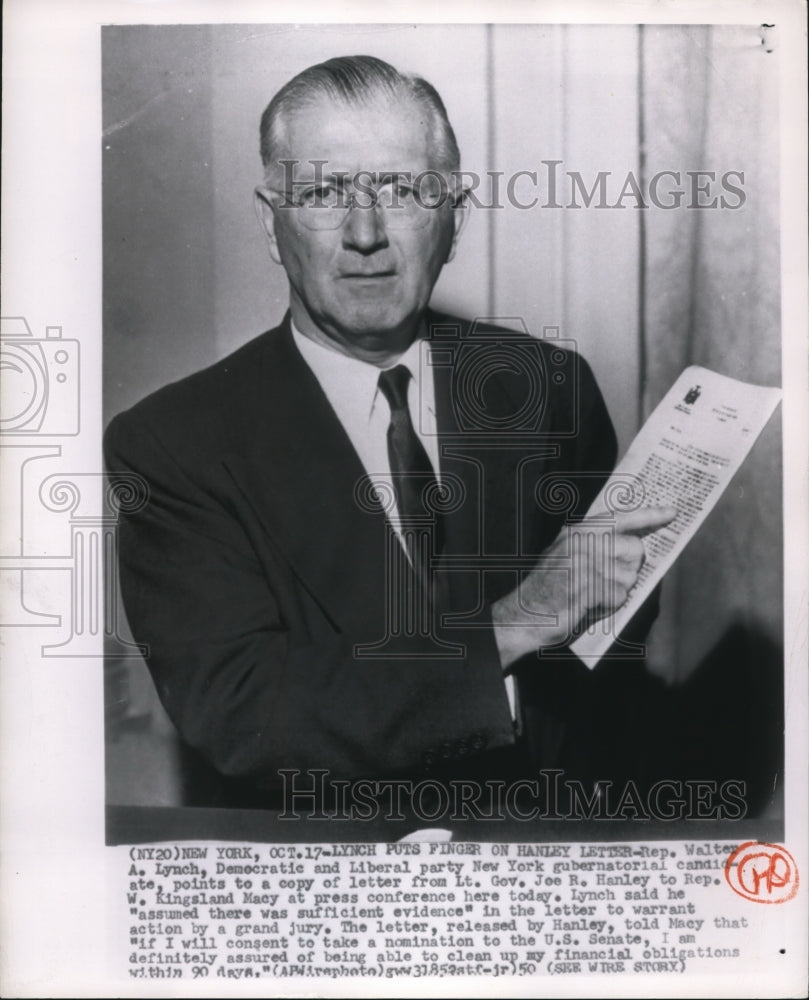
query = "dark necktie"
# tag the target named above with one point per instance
(414, 478)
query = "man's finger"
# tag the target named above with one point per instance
(629, 549)
(644, 520)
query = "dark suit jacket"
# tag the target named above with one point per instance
(253, 574)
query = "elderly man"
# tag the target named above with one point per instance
(345, 561)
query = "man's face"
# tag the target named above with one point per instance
(361, 287)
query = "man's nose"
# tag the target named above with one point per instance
(364, 229)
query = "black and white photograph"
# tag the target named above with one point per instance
(483, 254)
(403, 435)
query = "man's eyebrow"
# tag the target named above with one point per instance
(307, 178)
(341, 176)
(336, 176)
(335, 180)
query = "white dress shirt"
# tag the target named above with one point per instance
(352, 388)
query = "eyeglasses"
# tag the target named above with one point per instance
(402, 204)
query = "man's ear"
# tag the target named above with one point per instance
(460, 217)
(262, 201)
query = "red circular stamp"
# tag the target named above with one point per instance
(763, 873)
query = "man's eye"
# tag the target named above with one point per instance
(401, 194)
(431, 192)
(395, 195)
(403, 190)
(325, 195)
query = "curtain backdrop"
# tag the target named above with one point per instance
(711, 296)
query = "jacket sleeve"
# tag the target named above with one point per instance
(239, 677)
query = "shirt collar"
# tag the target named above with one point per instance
(351, 385)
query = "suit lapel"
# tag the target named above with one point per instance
(301, 473)
(497, 517)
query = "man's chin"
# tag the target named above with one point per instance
(376, 330)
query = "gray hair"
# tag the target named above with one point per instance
(354, 80)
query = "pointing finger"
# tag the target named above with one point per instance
(647, 519)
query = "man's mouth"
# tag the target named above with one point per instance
(367, 275)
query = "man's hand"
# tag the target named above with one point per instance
(586, 574)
